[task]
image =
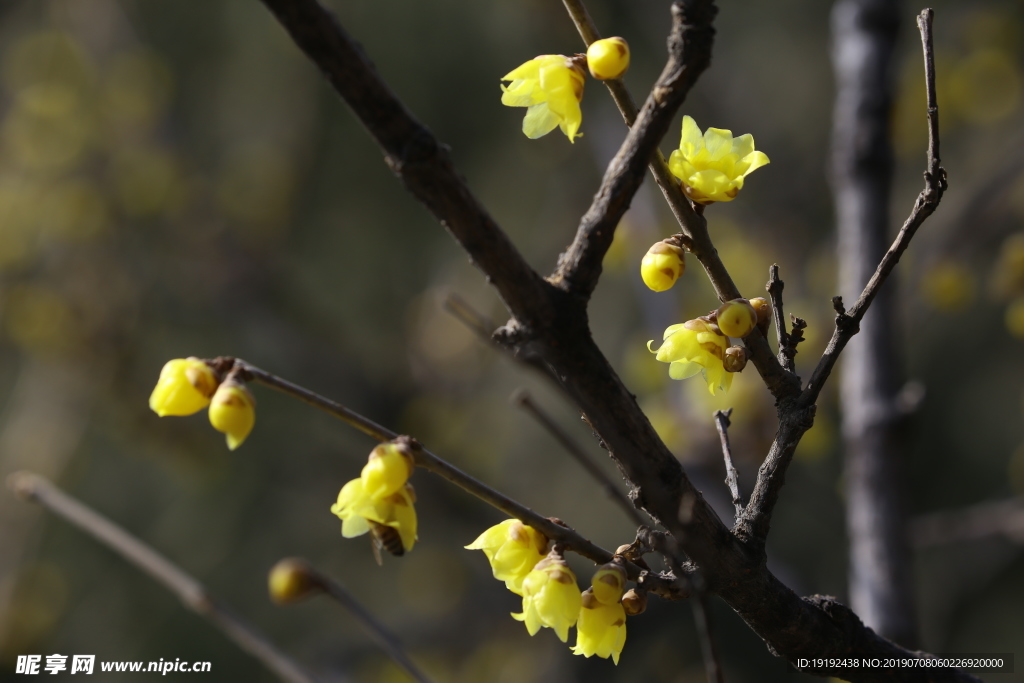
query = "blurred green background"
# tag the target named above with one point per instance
(176, 179)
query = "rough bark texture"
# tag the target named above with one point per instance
(881, 592)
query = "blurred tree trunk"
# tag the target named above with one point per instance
(881, 592)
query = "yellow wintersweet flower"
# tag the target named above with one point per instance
(185, 387)
(712, 165)
(662, 265)
(551, 598)
(601, 629)
(513, 549)
(552, 87)
(608, 58)
(358, 510)
(692, 347)
(390, 465)
(233, 411)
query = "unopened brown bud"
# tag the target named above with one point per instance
(291, 580)
(735, 359)
(634, 602)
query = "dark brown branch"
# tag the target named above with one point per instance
(731, 475)
(484, 329)
(191, 593)
(385, 639)
(689, 48)
(523, 399)
(799, 416)
(427, 460)
(775, 287)
(414, 154)
(693, 225)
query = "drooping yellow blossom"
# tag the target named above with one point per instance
(357, 509)
(389, 466)
(551, 598)
(712, 165)
(185, 387)
(692, 347)
(552, 87)
(662, 265)
(513, 549)
(736, 318)
(608, 58)
(233, 411)
(601, 629)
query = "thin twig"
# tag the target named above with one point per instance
(702, 619)
(775, 287)
(523, 399)
(484, 328)
(799, 416)
(693, 225)
(662, 586)
(731, 475)
(195, 597)
(985, 520)
(384, 638)
(927, 201)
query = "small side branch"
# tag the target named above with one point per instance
(664, 587)
(985, 520)
(192, 593)
(775, 287)
(731, 475)
(315, 581)
(523, 399)
(848, 324)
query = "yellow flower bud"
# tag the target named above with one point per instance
(609, 582)
(736, 318)
(601, 629)
(735, 359)
(290, 580)
(185, 387)
(551, 598)
(608, 58)
(763, 309)
(233, 411)
(662, 265)
(634, 602)
(390, 465)
(513, 549)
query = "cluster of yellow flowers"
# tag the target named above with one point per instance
(187, 385)
(551, 597)
(702, 345)
(381, 500)
(551, 86)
